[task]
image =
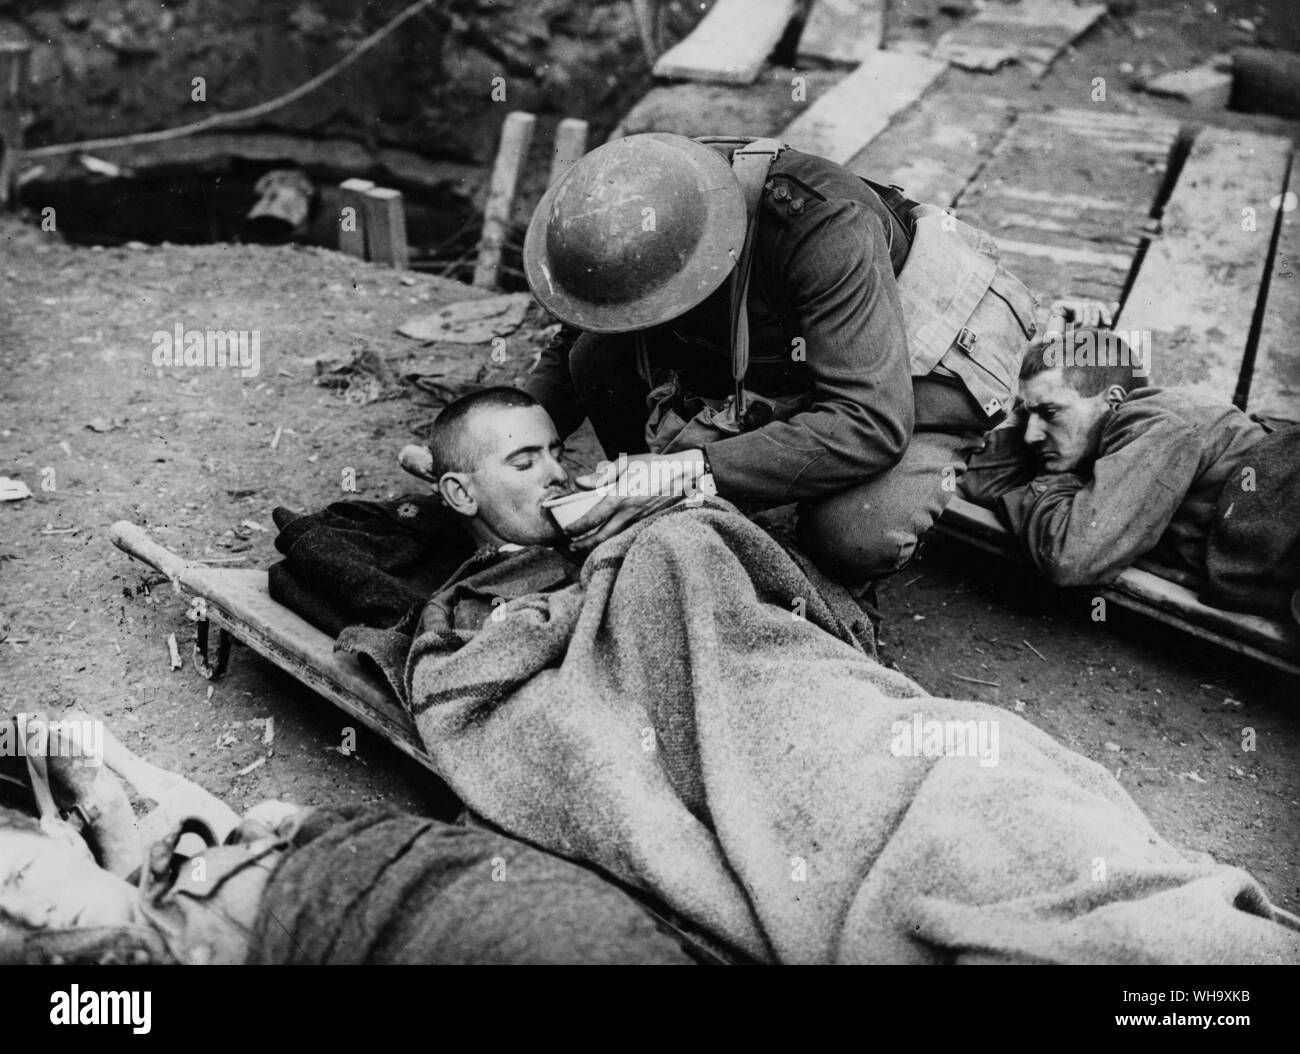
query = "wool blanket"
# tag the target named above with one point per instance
(367, 885)
(690, 717)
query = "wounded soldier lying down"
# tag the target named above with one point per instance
(686, 713)
(1102, 473)
(352, 885)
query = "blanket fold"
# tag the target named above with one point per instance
(692, 718)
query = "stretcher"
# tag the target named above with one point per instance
(236, 603)
(1265, 640)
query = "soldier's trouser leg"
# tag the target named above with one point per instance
(873, 529)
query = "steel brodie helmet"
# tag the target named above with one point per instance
(636, 233)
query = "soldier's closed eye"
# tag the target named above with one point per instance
(15, 878)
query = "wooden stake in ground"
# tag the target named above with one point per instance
(13, 74)
(516, 137)
(570, 144)
(645, 27)
(352, 227)
(385, 223)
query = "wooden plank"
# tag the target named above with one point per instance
(1160, 593)
(1033, 32)
(352, 226)
(1275, 385)
(570, 144)
(1173, 618)
(839, 124)
(762, 109)
(516, 137)
(1117, 261)
(1072, 245)
(385, 222)
(731, 44)
(844, 31)
(1263, 639)
(644, 16)
(1198, 284)
(935, 149)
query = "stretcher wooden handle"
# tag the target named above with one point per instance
(418, 461)
(135, 541)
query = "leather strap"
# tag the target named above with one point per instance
(895, 199)
(39, 774)
(751, 164)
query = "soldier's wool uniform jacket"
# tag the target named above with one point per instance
(1168, 471)
(826, 254)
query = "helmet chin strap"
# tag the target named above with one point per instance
(740, 322)
(750, 164)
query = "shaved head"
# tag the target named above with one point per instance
(496, 457)
(455, 444)
(1088, 376)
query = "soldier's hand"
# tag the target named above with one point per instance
(640, 485)
(1090, 314)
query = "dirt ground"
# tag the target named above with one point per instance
(200, 457)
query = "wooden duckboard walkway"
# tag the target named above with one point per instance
(1072, 245)
(938, 147)
(1259, 638)
(731, 44)
(1198, 284)
(1031, 32)
(761, 109)
(1275, 385)
(843, 31)
(849, 116)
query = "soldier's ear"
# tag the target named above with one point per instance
(457, 492)
(1115, 395)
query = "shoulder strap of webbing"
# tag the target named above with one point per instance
(750, 163)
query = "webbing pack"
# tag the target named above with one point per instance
(965, 314)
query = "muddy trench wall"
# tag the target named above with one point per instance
(107, 67)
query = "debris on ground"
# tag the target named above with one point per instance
(13, 489)
(1201, 86)
(364, 378)
(100, 424)
(470, 321)
(251, 766)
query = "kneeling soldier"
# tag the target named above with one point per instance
(816, 376)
